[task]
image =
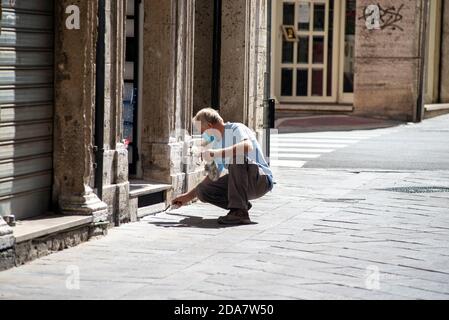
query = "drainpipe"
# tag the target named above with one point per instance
(216, 56)
(421, 97)
(99, 98)
(267, 93)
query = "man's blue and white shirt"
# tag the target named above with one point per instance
(234, 134)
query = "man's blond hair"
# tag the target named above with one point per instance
(208, 115)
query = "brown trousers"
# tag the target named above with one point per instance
(234, 190)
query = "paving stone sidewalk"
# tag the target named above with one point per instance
(321, 234)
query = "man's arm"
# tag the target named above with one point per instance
(239, 149)
(185, 198)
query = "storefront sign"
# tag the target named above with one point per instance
(304, 13)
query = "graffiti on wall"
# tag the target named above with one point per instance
(378, 18)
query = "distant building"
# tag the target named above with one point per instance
(360, 57)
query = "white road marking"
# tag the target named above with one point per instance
(291, 149)
(308, 145)
(296, 156)
(299, 150)
(288, 163)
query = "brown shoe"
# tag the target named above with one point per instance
(235, 217)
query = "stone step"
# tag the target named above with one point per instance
(435, 110)
(147, 197)
(287, 107)
(151, 210)
(139, 188)
(47, 225)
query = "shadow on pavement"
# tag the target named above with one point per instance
(193, 222)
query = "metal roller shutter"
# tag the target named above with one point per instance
(26, 106)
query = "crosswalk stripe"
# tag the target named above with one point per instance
(294, 149)
(288, 163)
(355, 136)
(301, 140)
(299, 150)
(317, 140)
(308, 145)
(295, 156)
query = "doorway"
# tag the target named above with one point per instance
(132, 83)
(315, 64)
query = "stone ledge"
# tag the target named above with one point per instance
(435, 110)
(315, 108)
(151, 210)
(437, 107)
(140, 187)
(46, 225)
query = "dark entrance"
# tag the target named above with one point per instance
(131, 92)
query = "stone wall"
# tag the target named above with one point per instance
(37, 248)
(387, 63)
(444, 86)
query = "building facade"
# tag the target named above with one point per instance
(96, 101)
(384, 59)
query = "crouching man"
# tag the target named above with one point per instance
(234, 147)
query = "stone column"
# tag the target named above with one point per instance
(74, 113)
(167, 98)
(444, 86)
(243, 65)
(115, 174)
(387, 62)
(6, 246)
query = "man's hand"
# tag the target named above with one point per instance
(237, 150)
(182, 200)
(209, 155)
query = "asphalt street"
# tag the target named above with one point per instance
(422, 146)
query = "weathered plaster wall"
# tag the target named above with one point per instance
(387, 62)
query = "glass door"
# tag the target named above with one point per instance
(307, 62)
